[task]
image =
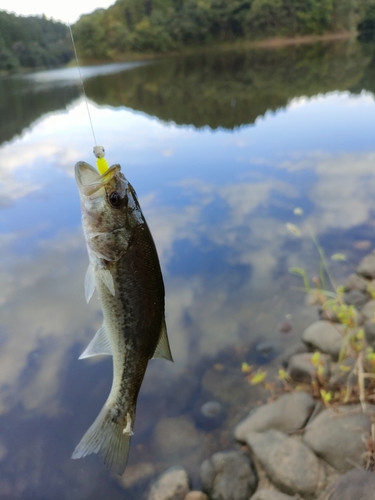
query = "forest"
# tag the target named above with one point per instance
(160, 26)
(171, 25)
(32, 42)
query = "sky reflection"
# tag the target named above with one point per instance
(217, 203)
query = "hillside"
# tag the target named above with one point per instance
(32, 42)
(169, 25)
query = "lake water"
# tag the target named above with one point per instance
(221, 148)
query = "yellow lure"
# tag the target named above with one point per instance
(102, 165)
(101, 162)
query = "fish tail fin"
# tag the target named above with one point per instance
(109, 439)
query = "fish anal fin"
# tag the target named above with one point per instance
(106, 276)
(162, 349)
(100, 345)
(106, 437)
(89, 283)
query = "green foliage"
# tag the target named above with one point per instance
(165, 25)
(32, 42)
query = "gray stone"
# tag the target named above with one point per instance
(301, 368)
(327, 315)
(356, 298)
(196, 495)
(289, 464)
(369, 328)
(325, 337)
(366, 267)
(172, 485)
(355, 282)
(228, 476)
(294, 349)
(354, 485)
(337, 436)
(289, 412)
(368, 311)
(271, 495)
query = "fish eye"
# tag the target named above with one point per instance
(114, 199)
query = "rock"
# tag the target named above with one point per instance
(368, 311)
(265, 351)
(209, 416)
(289, 464)
(355, 282)
(294, 349)
(369, 328)
(301, 369)
(354, 485)
(366, 267)
(337, 436)
(172, 485)
(271, 495)
(324, 336)
(137, 474)
(356, 298)
(228, 476)
(289, 412)
(174, 437)
(196, 495)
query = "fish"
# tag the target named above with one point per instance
(124, 270)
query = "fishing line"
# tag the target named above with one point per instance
(99, 152)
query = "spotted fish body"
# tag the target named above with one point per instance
(125, 271)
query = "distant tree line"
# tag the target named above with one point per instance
(32, 42)
(164, 25)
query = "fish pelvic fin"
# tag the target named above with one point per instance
(109, 439)
(163, 349)
(99, 345)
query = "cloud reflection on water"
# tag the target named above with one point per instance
(218, 222)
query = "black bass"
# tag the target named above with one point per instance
(124, 268)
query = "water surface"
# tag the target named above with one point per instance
(221, 148)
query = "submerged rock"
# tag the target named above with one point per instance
(271, 495)
(228, 476)
(174, 437)
(354, 485)
(289, 464)
(289, 412)
(196, 495)
(325, 337)
(172, 485)
(338, 436)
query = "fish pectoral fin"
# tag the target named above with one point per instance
(89, 283)
(162, 349)
(99, 345)
(106, 276)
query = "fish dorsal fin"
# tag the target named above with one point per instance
(106, 277)
(89, 283)
(162, 349)
(99, 345)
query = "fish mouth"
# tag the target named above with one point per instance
(89, 180)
